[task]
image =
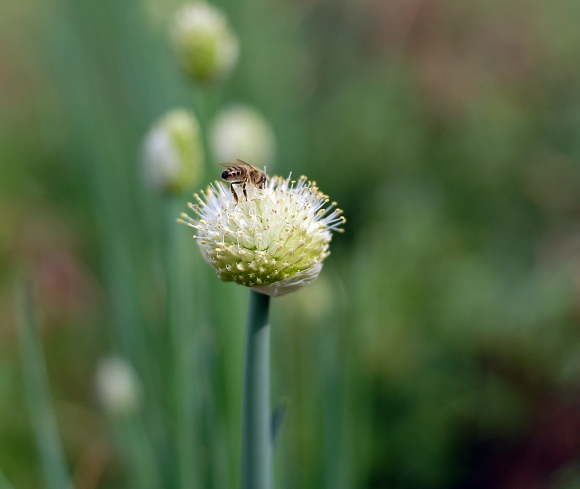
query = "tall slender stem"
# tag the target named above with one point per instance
(184, 316)
(256, 424)
(43, 416)
(4, 482)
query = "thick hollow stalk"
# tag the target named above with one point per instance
(256, 424)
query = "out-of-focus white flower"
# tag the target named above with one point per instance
(173, 153)
(242, 132)
(205, 44)
(274, 242)
(118, 387)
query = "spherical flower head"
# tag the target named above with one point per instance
(118, 387)
(242, 132)
(207, 47)
(173, 153)
(274, 242)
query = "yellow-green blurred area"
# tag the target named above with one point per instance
(439, 348)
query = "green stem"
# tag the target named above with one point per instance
(183, 323)
(36, 383)
(4, 482)
(256, 426)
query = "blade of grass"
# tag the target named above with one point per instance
(184, 316)
(37, 390)
(4, 482)
(138, 453)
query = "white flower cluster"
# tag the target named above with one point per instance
(118, 386)
(205, 43)
(241, 132)
(173, 153)
(274, 242)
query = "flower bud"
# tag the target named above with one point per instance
(205, 44)
(241, 132)
(173, 153)
(273, 241)
(118, 388)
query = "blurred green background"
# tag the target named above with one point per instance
(439, 348)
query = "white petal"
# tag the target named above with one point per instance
(291, 283)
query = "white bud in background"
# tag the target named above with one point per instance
(118, 387)
(173, 153)
(206, 46)
(242, 132)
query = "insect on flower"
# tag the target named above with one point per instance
(275, 241)
(243, 174)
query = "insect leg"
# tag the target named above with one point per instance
(234, 193)
(244, 190)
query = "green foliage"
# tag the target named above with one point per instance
(441, 340)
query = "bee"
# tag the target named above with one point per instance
(243, 173)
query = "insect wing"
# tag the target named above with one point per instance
(243, 163)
